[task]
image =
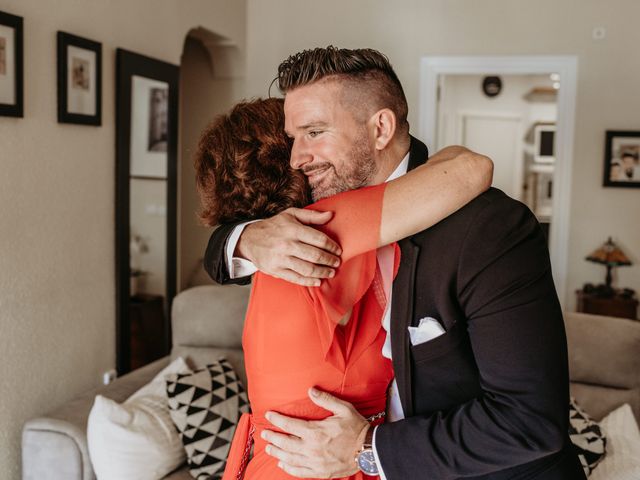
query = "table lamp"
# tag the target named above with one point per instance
(610, 255)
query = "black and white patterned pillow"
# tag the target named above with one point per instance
(205, 406)
(586, 436)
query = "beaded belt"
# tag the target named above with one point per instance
(375, 417)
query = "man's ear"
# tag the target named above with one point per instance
(383, 124)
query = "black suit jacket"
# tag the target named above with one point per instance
(488, 398)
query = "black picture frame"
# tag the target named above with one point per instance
(65, 40)
(129, 64)
(622, 172)
(15, 109)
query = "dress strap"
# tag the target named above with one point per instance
(240, 450)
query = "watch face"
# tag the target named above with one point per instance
(367, 462)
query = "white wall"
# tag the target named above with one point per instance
(57, 285)
(462, 98)
(410, 29)
(464, 93)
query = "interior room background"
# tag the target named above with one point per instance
(57, 285)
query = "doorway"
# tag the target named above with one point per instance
(211, 82)
(520, 112)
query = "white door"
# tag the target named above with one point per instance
(500, 138)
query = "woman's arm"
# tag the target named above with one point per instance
(431, 192)
(367, 218)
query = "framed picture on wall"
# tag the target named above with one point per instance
(79, 80)
(622, 159)
(11, 73)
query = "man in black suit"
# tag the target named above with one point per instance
(476, 332)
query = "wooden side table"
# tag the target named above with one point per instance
(615, 306)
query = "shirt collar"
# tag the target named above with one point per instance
(401, 169)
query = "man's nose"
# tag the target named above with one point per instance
(300, 156)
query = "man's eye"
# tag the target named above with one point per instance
(314, 133)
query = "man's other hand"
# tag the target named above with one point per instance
(287, 247)
(318, 449)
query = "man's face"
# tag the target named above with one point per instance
(331, 147)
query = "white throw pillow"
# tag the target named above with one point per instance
(136, 440)
(622, 461)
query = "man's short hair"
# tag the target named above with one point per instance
(367, 71)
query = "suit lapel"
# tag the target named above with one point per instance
(401, 314)
(402, 301)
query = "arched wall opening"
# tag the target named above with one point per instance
(211, 81)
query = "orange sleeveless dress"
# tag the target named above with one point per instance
(292, 339)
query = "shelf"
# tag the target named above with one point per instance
(542, 95)
(541, 168)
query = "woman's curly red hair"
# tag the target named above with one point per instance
(242, 165)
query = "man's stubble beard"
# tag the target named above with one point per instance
(361, 170)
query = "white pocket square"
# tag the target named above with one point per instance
(428, 329)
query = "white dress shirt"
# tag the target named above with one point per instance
(240, 267)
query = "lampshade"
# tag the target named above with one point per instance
(609, 254)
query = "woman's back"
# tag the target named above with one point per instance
(293, 339)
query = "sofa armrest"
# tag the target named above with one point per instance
(54, 446)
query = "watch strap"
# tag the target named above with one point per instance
(365, 459)
(368, 438)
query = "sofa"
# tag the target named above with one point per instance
(207, 321)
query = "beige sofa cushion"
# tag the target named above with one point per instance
(207, 324)
(604, 362)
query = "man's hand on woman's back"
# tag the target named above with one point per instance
(288, 247)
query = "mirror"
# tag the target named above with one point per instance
(146, 179)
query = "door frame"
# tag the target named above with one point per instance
(565, 65)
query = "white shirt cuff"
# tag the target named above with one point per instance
(375, 454)
(238, 267)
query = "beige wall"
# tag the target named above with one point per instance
(408, 30)
(57, 286)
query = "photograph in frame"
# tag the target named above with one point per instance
(622, 159)
(79, 80)
(11, 64)
(149, 127)
(158, 119)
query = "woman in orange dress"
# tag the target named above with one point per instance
(330, 336)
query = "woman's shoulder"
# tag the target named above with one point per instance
(348, 197)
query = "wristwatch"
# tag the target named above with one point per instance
(365, 459)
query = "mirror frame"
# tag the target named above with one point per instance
(129, 64)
